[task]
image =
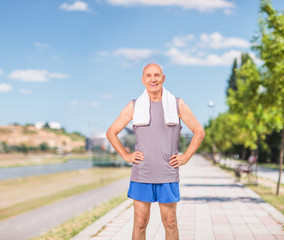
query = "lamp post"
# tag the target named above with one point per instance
(211, 105)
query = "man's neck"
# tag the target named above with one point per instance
(154, 97)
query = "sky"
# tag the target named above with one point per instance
(79, 63)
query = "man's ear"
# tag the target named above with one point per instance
(142, 80)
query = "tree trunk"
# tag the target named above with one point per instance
(280, 162)
(256, 161)
(214, 154)
(244, 152)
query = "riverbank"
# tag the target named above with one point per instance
(21, 160)
(24, 160)
(24, 194)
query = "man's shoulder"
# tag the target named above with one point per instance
(177, 99)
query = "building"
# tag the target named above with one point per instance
(100, 141)
(52, 125)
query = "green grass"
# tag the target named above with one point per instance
(72, 227)
(269, 165)
(268, 194)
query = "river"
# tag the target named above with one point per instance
(69, 165)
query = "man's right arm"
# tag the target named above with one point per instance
(121, 122)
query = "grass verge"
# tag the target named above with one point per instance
(72, 227)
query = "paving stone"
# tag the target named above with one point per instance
(244, 237)
(264, 237)
(212, 207)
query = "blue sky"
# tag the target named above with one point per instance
(80, 62)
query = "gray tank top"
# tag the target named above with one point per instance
(158, 141)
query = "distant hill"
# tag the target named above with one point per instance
(16, 135)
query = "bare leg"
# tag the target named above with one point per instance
(141, 219)
(169, 219)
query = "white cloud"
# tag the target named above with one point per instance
(95, 104)
(181, 58)
(5, 87)
(257, 60)
(35, 75)
(29, 75)
(25, 91)
(216, 40)
(133, 54)
(40, 45)
(200, 5)
(58, 75)
(129, 54)
(106, 96)
(183, 52)
(181, 41)
(76, 6)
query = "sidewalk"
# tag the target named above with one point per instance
(212, 206)
(263, 172)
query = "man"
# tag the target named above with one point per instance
(155, 162)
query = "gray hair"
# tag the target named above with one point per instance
(150, 64)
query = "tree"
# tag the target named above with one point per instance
(244, 57)
(269, 45)
(232, 80)
(44, 147)
(24, 148)
(256, 120)
(222, 133)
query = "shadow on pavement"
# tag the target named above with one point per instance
(212, 185)
(208, 177)
(206, 199)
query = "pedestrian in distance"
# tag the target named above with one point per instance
(156, 116)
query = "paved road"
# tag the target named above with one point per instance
(268, 173)
(212, 207)
(40, 220)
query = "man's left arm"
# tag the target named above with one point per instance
(192, 123)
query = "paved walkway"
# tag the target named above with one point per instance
(263, 172)
(212, 206)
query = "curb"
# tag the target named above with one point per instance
(100, 224)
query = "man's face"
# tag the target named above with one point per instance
(153, 78)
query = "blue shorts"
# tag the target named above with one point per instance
(154, 192)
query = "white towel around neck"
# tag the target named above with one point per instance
(141, 114)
